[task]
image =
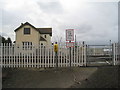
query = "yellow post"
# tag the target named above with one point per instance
(55, 47)
(56, 56)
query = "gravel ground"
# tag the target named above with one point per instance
(45, 78)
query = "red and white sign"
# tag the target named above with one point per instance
(69, 34)
(69, 44)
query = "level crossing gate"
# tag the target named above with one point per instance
(102, 55)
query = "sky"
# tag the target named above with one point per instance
(95, 22)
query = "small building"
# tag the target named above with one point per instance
(27, 34)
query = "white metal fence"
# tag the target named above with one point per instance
(41, 56)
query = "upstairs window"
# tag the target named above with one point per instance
(26, 30)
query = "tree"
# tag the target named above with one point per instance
(8, 40)
(3, 40)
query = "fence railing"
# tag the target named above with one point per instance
(41, 56)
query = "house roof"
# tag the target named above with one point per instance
(42, 39)
(24, 25)
(45, 31)
(40, 30)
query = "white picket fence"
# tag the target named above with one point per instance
(40, 56)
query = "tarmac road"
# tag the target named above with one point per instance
(103, 77)
(77, 77)
(48, 78)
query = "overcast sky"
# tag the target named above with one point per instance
(93, 22)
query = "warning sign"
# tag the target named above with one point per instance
(69, 44)
(70, 35)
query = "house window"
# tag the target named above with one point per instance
(41, 45)
(26, 30)
(45, 36)
(27, 45)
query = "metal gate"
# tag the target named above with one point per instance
(99, 55)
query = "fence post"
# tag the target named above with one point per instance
(1, 55)
(84, 54)
(116, 61)
(118, 53)
(48, 59)
(4, 55)
(56, 58)
(113, 45)
(56, 53)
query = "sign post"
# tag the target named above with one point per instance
(69, 37)
(56, 50)
(70, 55)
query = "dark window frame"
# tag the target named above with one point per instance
(26, 31)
